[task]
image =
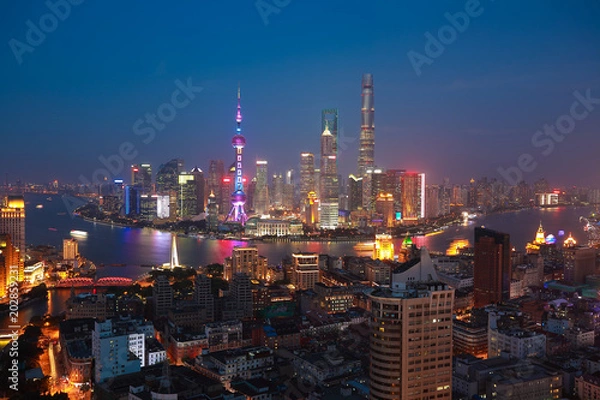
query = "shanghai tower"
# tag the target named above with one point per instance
(238, 197)
(366, 152)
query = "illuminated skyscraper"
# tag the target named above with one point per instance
(191, 193)
(12, 222)
(366, 152)
(307, 174)
(167, 183)
(141, 176)
(311, 209)
(238, 197)
(413, 197)
(216, 173)
(384, 206)
(261, 192)
(277, 191)
(212, 213)
(411, 337)
(355, 192)
(9, 257)
(329, 119)
(168, 175)
(329, 192)
(492, 267)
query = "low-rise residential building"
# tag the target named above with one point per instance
(519, 343)
(244, 363)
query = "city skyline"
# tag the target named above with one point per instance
(486, 115)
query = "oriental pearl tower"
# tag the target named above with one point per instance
(238, 197)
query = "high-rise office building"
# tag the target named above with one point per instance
(132, 200)
(277, 191)
(12, 222)
(238, 197)
(149, 207)
(329, 119)
(191, 193)
(245, 260)
(167, 183)
(167, 176)
(9, 259)
(203, 296)
(413, 197)
(384, 206)
(305, 270)
(311, 210)
(261, 191)
(70, 249)
(394, 186)
(329, 187)
(288, 200)
(580, 262)
(216, 173)
(411, 336)
(355, 192)
(241, 291)
(307, 174)
(432, 199)
(212, 213)
(141, 176)
(366, 151)
(162, 295)
(492, 267)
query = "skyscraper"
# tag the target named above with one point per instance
(329, 119)
(413, 197)
(167, 183)
(411, 335)
(191, 193)
(216, 173)
(366, 151)
(9, 257)
(162, 295)
(355, 190)
(329, 188)
(167, 176)
(491, 271)
(238, 197)
(12, 222)
(203, 296)
(305, 270)
(277, 191)
(141, 176)
(261, 192)
(307, 174)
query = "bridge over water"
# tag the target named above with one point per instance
(91, 283)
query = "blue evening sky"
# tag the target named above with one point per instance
(76, 96)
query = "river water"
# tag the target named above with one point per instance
(134, 247)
